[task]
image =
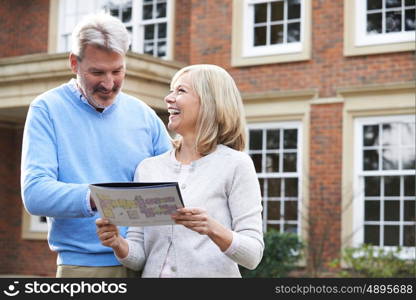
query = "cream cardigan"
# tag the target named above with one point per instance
(225, 184)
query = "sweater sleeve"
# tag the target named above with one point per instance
(43, 194)
(245, 207)
(135, 259)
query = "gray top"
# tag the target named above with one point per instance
(224, 183)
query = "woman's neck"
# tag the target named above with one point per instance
(187, 152)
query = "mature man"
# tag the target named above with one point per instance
(86, 131)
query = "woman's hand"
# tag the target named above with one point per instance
(197, 219)
(109, 236)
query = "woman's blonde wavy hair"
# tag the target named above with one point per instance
(221, 117)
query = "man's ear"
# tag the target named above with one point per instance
(73, 61)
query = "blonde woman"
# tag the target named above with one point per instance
(221, 226)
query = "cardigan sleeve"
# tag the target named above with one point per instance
(244, 201)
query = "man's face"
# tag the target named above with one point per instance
(100, 74)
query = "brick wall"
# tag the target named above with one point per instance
(19, 256)
(24, 27)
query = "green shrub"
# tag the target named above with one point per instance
(281, 252)
(370, 261)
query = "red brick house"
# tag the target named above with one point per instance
(328, 88)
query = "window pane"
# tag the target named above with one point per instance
(148, 48)
(289, 162)
(391, 134)
(370, 135)
(161, 10)
(257, 162)
(374, 4)
(393, 3)
(273, 226)
(161, 30)
(161, 49)
(255, 138)
(409, 20)
(261, 182)
(390, 159)
(370, 160)
(372, 186)
(408, 134)
(273, 210)
(293, 8)
(260, 36)
(276, 34)
(409, 185)
(372, 211)
(392, 185)
(293, 32)
(291, 210)
(374, 22)
(274, 187)
(409, 210)
(277, 11)
(372, 234)
(291, 228)
(393, 21)
(291, 187)
(290, 138)
(149, 32)
(147, 11)
(273, 138)
(409, 2)
(126, 14)
(409, 236)
(260, 13)
(408, 158)
(391, 235)
(272, 163)
(392, 210)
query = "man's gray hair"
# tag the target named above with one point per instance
(100, 30)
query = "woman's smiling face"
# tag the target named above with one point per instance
(183, 105)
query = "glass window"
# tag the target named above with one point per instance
(274, 149)
(147, 22)
(274, 25)
(387, 152)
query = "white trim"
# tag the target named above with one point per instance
(358, 186)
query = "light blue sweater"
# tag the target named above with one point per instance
(67, 145)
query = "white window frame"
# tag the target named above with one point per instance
(358, 183)
(364, 39)
(298, 174)
(250, 50)
(136, 23)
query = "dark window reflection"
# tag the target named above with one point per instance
(161, 30)
(409, 185)
(372, 210)
(161, 49)
(291, 210)
(374, 4)
(293, 8)
(372, 186)
(293, 32)
(274, 187)
(392, 186)
(291, 228)
(291, 187)
(273, 210)
(273, 138)
(290, 138)
(370, 135)
(161, 10)
(370, 160)
(147, 12)
(277, 11)
(260, 36)
(272, 163)
(289, 162)
(393, 3)
(260, 13)
(276, 34)
(372, 234)
(409, 20)
(391, 235)
(148, 48)
(149, 32)
(126, 14)
(394, 21)
(391, 210)
(374, 23)
(409, 210)
(255, 138)
(257, 162)
(409, 236)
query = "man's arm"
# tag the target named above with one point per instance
(42, 193)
